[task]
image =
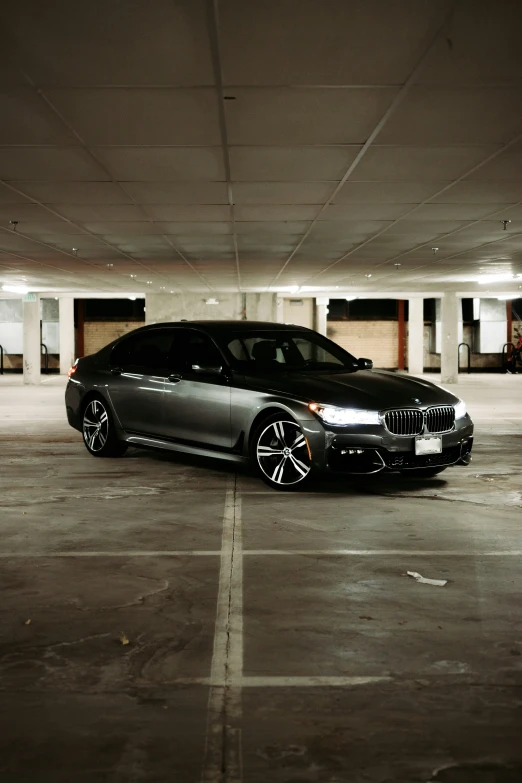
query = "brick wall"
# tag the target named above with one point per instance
(98, 334)
(375, 340)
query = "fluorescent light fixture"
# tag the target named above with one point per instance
(498, 278)
(212, 301)
(350, 298)
(132, 298)
(15, 289)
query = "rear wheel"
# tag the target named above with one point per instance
(423, 472)
(280, 452)
(99, 432)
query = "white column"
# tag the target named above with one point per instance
(416, 336)
(66, 330)
(449, 355)
(321, 314)
(32, 341)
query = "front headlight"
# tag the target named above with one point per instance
(460, 409)
(341, 416)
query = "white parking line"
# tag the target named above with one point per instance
(222, 758)
(307, 682)
(118, 553)
(382, 552)
(270, 552)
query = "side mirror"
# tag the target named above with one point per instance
(364, 364)
(197, 368)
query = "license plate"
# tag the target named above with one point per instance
(428, 445)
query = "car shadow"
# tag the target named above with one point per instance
(334, 483)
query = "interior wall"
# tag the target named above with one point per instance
(162, 308)
(98, 334)
(299, 311)
(375, 340)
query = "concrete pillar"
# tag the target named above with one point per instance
(32, 339)
(321, 314)
(67, 348)
(416, 336)
(449, 355)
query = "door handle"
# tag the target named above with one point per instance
(116, 370)
(174, 378)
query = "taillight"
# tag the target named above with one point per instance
(73, 369)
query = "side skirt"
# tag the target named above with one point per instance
(156, 443)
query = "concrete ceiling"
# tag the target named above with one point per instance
(260, 143)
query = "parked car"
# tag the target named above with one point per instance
(284, 398)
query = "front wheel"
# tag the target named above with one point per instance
(99, 432)
(281, 454)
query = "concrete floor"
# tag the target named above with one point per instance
(271, 635)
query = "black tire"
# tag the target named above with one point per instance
(99, 433)
(285, 464)
(423, 472)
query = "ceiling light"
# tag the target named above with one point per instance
(350, 298)
(212, 301)
(498, 278)
(132, 298)
(110, 266)
(133, 276)
(15, 289)
(367, 275)
(506, 298)
(149, 282)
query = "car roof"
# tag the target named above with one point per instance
(241, 326)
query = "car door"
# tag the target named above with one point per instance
(138, 371)
(197, 404)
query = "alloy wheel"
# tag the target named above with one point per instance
(95, 426)
(282, 453)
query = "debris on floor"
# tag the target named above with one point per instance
(425, 581)
(123, 638)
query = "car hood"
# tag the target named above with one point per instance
(369, 389)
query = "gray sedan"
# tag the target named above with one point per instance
(285, 398)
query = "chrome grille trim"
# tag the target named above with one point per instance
(412, 421)
(440, 419)
(404, 422)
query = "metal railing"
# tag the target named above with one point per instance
(46, 360)
(469, 355)
(1, 360)
(505, 355)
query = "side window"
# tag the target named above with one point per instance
(145, 352)
(192, 347)
(238, 350)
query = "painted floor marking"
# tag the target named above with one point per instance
(222, 758)
(270, 552)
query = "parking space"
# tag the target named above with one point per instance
(170, 618)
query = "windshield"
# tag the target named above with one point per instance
(280, 351)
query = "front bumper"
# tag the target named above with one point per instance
(366, 452)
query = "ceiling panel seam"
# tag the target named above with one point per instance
(397, 100)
